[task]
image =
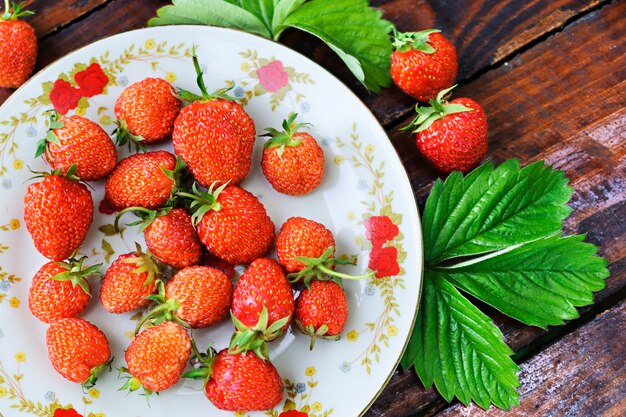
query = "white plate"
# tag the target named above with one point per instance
(364, 178)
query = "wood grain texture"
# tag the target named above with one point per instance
(533, 114)
(583, 374)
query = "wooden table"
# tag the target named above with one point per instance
(551, 76)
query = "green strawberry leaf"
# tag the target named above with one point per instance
(210, 12)
(355, 31)
(491, 209)
(459, 349)
(558, 274)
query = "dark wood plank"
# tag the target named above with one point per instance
(534, 115)
(484, 32)
(583, 374)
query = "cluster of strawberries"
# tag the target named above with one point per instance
(451, 134)
(213, 139)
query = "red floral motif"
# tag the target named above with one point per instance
(91, 81)
(273, 76)
(380, 230)
(60, 412)
(64, 96)
(293, 413)
(384, 261)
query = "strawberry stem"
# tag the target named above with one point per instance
(17, 11)
(123, 136)
(280, 139)
(321, 269)
(418, 41)
(438, 109)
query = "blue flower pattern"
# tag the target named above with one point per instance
(300, 388)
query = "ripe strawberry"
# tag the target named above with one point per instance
(145, 180)
(77, 140)
(146, 111)
(452, 135)
(263, 286)
(60, 289)
(293, 162)
(301, 237)
(58, 212)
(321, 311)
(78, 350)
(423, 63)
(18, 47)
(214, 135)
(238, 382)
(232, 223)
(203, 295)
(128, 281)
(169, 235)
(157, 357)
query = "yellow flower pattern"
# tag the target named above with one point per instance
(14, 302)
(149, 44)
(18, 164)
(352, 336)
(20, 357)
(392, 330)
(170, 77)
(15, 224)
(310, 371)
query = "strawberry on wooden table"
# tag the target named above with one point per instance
(18, 46)
(321, 311)
(157, 357)
(169, 234)
(423, 63)
(78, 350)
(214, 135)
(144, 179)
(60, 289)
(128, 281)
(231, 222)
(238, 381)
(146, 111)
(293, 162)
(77, 140)
(451, 134)
(58, 211)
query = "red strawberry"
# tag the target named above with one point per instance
(214, 135)
(321, 310)
(293, 162)
(452, 135)
(203, 295)
(145, 180)
(169, 235)
(58, 212)
(76, 140)
(232, 223)
(157, 357)
(217, 263)
(423, 63)
(146, 111)
(18, 47)
(60, 290)
(239, 382)
(263, 286)
(128, 281)
(301, 237)
(78, 350)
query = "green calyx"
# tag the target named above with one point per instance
(189, 97)
(93, 374)
(145, 263)
(321, 268)
(133, 384)
(70, 174)
(280, 139)
(165, 309)
(123, 136)
(146, 216)
(438, 109)
(418, 41)
(51, 137)
(204, 362)
(253, 338)
(310, 331)
(17, 11)
(76, 273)
(203, 202)
(175, 175)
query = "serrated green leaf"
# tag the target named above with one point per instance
(491, 209)
(459, 349)
(354, 31)
(209, 12)
(538, 283)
